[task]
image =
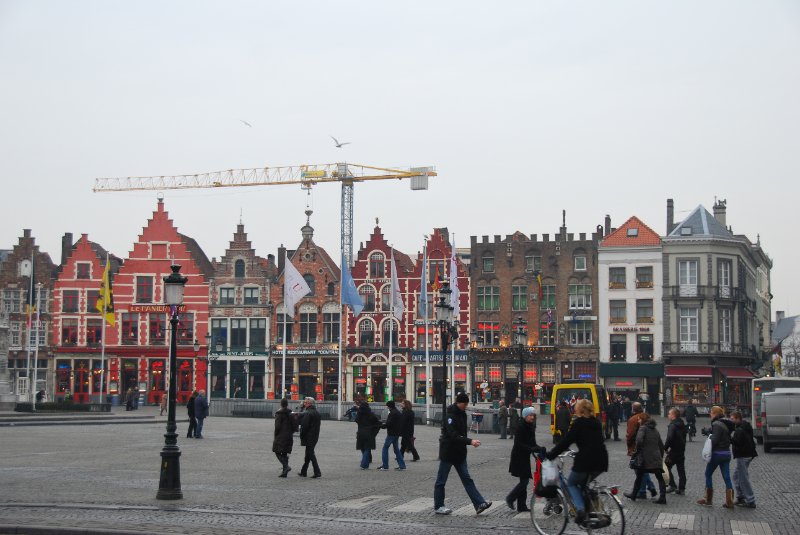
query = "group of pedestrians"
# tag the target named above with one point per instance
(197, 409)
(308, 422)
(508, 418)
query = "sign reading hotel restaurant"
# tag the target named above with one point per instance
(305, 351)
(154, 308)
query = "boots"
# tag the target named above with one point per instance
(707, 501)
(728, 499)
(662, 498)
(522, 507)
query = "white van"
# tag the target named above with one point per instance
(780, 414)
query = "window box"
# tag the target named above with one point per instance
(645, 319)
(644, 284)
(616, 285)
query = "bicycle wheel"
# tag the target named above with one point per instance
(607, 516)
(549, 515)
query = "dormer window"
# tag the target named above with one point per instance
(633, 232)
(686, 231)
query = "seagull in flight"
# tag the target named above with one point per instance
(245, 123)
(339, 145)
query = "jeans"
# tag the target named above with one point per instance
(198, 433)
(647, 483)
(366, 458)
(575, 483)
(466, 480)
(724, 463)
(392, 440)
(741, 478)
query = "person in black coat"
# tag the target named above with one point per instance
(283, 440)
(394, 429)
(675, 446)
(200, 412)
(368, 427)
(309, 435)
(407, 438)
(613, 414)
(586, 432)
(453, 454)
(563, 419)
(743, 448)
(650, 455)
(190, 411)
(520, 464)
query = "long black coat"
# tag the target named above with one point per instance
(676, 440)
(394, 423)
(742, 441)
(368, 427)
(563, 418)
(283, 441)
(190, 406)
(309, 427)
(650, 447)
(454, 442)
(587, 434)
(524, 446)
(408, 423)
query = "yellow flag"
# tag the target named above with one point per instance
(105, 299)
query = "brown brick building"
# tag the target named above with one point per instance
(534, 312)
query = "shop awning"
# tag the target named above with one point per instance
(736, 373)
(688, 371)
(631, 369)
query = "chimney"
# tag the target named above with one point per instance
(608, 225)
(779, 315)
(563, 229)
(26, 233)
(281, 257)
(66, 247)
(719, 212)
(670, 216)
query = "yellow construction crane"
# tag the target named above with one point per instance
(305, 175)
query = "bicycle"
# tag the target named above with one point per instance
(604, 513)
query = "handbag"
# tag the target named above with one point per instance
(665, 471)
(549, 473)
(636, 461)
(707, 450)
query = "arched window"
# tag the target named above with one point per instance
(377, 266)
(395, 327)
(386, 298)
(368, 294)
(366, 333)
(309, 278)
(238, 269)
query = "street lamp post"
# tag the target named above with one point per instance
(169, 485)
(521, 343)
(447, 330)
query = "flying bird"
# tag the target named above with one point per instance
(245, 123)
(339, 145)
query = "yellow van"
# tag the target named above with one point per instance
(569, 393)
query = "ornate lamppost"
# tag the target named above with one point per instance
(169, 485)
(521, 345)
(448, 333)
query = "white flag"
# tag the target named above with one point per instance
(454, 296)
(294, 286)
(397, 301)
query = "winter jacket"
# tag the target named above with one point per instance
(394, 423)
(513, 418)
(675, 444)
(633, 427)
(309, 430)
(721, 435)
(742, 441)
(200, 407)
(563, 419)
(283, 440)
(587, 434)
(190, 406)
(690, 413)
(502, 416)
(524, 446)
(614, 410)
(454, 441)
(408, 423)
(649, 447)
(368, 427)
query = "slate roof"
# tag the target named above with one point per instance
(701, 223)
(785, 328)
(645, 236)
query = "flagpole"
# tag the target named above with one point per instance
(339, 379)
(424, 289)
(391, 326)
(454, 284)
(36, 351)
(30, 328)
(283, 357)
(103, 332)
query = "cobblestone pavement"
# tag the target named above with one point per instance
(104, 478)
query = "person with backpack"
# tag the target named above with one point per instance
(744, 451)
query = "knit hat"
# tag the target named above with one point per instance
(527, 411)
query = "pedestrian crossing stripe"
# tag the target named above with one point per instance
(417, 505)
(361, 503)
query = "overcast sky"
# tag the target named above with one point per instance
(524, 109)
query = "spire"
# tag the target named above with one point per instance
(307, 230)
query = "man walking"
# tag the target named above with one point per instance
(190, 411)
(309, 435)
(634, 422)
(200, 412)
(614, 413)
(394, 428)
(502, 419)
(675, 447)
(453, 454)
(744, 451)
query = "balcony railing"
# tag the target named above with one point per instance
(703, 292)
(706, 348)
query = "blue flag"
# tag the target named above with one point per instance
(350, 295)
(422, 304)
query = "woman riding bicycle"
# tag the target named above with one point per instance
(586, 432)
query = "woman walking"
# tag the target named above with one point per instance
(368, 427)
(720, 457)
(283, 441)
(190, 412)
(649, 455)
(407, 436)
(520, 465)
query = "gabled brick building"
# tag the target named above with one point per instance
(77, 328)
(241, 319)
